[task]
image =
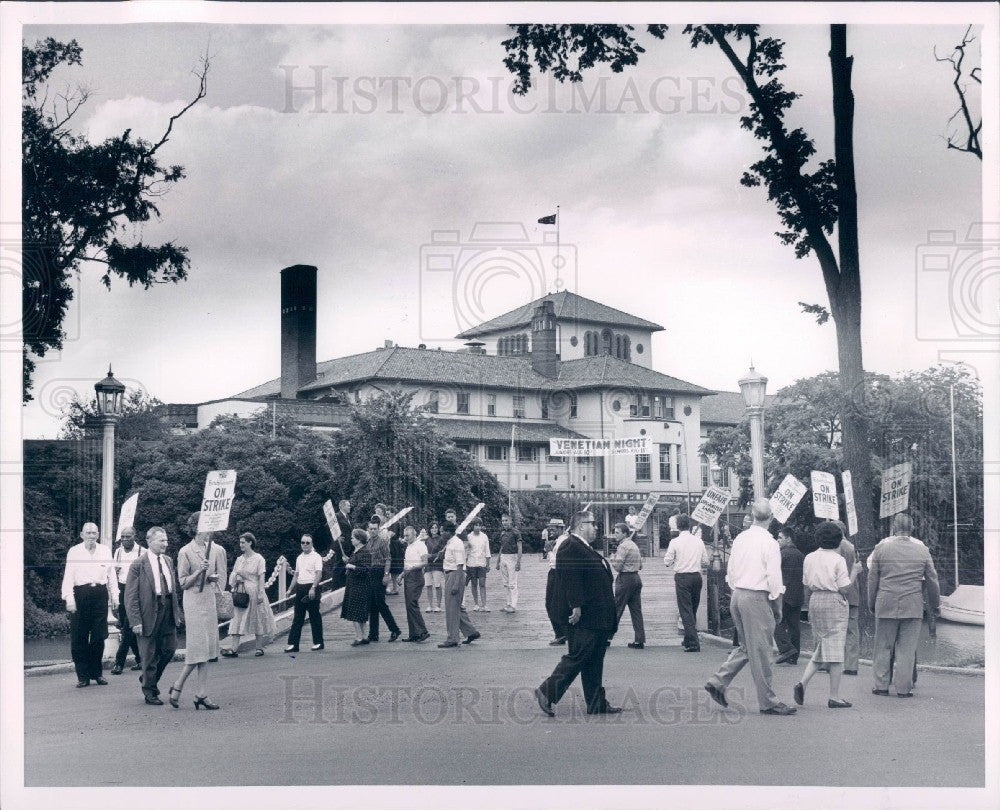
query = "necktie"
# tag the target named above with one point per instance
(165, 582)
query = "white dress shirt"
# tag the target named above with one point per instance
(479, 550)
(555, 548)
(755, 563)
(825, 570)
(308, 568)
(454, 554)
(89, 568)
(687, 554)
(124, 560)
(164, 578)
(416, 553)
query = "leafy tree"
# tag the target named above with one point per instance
(77, 198)
(139, 419)
(810, 201)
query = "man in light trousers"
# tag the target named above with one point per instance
(456, 617)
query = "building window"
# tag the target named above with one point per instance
(584, 460)
(627, 354)
(527, 453)
(463, 402)
(640, 406)
(545, 407)
(706, 473)
(518, 406)
(724, 480)
(606, 339)
(665, 469)
(658, 407)
(496, 452)
(465, 447)
(491, 405)
(432, 401)
(642, 467)
(554, 459)
(572, 412)
(668, 408)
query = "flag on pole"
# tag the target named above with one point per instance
(549, 220)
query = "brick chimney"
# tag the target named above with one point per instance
(543, 340)
(298, 328)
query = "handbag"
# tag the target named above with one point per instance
(241, 598)
(223, 605)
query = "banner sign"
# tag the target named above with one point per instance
(331, 519)
(647, 510)
(825, 503)
(712, 504)
(468, 518)
(599, 447)
(786, 497)
(852, 512)
(220, 487)
(127, 518)
(895, 490)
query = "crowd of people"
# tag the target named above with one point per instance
(586, 596)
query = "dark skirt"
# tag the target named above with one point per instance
(357, 594)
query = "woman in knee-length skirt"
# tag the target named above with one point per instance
(824, 574)
(357, 593)
(257, 618)
(199, 562)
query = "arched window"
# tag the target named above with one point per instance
(587, 348)
(618, 346)
(502, 346)
(606, 341)
(627, 354)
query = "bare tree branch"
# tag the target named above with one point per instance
(973, 130)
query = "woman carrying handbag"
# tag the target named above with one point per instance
(252, 614)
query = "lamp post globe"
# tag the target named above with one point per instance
(753, 387)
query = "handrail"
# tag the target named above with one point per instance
(282, 585)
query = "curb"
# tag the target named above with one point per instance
(329, 601)
(966, 671)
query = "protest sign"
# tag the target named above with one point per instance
(895, 490)
(825, 504)
(469, 518)
(126, 519)
(786, 497)
(647, 510)
(331, 519)
(852, 512)
(220, 487)
(712, 504)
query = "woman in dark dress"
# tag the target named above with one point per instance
(356, 592)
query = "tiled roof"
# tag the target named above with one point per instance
(610, 372)
(568, 307)
(498, 430)
(464, 370)
(726, 408)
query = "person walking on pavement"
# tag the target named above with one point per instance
(787, 634)
(456, 617)
(754, 574)
(688, 556)
(127, 553)
(509, 561)
(628, 586)
(414, 562)
(378, 545)
(89, 585)
(587, 594)
(899, 573)
(305, 586)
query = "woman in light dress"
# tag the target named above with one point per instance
(201, 570)
(257, 618)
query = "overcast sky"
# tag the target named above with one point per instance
(654, 219)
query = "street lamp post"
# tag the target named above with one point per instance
(753, 387)
(110, 394)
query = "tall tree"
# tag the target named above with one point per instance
(809, 203)
(77, 198)
(139, 419)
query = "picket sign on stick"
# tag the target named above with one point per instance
(712, 504)
(126, 519)
(895, 490)
(647, 510)
(397, 517)
(220, 486)
(469, 518)
(852, 512)
(824, 487)
(786, 497)
(331, 519)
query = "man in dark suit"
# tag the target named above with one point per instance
(154, 611)
(587, 595)
(786, 632)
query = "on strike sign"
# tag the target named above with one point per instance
(786, 497)
(895, 490)
(824, 487)
(220, 486)
(712, 504)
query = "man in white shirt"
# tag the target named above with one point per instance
(414, 562)
(89, 582)
(127, 553)
(477, 563)
(305, 583)
(556, 535)
(456, 617)
(754, 574)
(688, 556)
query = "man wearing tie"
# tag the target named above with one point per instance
(154, 611)
(587, 595)
(89, 581)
